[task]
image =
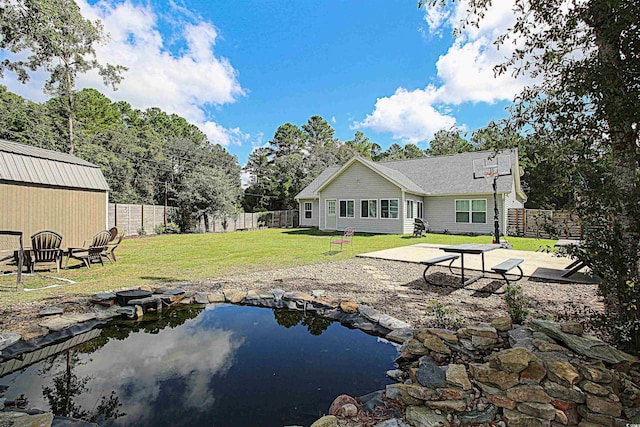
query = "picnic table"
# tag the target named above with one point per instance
(470, 249)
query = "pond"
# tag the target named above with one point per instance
(224, 365)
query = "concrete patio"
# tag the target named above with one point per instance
(541, 265)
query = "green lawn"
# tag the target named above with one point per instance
(182, 258)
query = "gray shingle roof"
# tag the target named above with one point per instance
(434, 176)
(451, 174)
(309, 192)
(28, 164)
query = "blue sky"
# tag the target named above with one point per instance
(239, 69)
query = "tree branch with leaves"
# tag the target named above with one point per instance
(57, 38)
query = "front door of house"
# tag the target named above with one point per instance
(330, 215)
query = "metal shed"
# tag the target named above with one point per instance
(47, 190)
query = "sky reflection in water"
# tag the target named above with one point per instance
(228, 366)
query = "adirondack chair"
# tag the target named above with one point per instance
(111, 247)
(346, 239)
(94, 252)
(420, 227)
(113, 231)
(45, 247)
(12, 250)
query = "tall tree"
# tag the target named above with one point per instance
(288, 139)
(448, 142)
(319, 132)
(24, 121)
(586, 54)
(58, 39)
(361, 146)
(321, 145)
(208, 192)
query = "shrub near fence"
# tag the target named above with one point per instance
(543, 224)
(135, 218)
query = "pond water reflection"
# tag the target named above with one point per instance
(222, 366)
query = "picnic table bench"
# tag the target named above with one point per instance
(433, 261)
(505, 266)
(458, 251)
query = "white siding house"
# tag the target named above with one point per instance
(385, 197)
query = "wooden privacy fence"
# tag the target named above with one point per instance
(543, 224)
(134, 218)
(249, 221)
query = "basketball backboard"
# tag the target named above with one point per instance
(500, 165)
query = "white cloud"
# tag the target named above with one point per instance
(186, 80)
(465, 74)
(408, 115)
(435, 17)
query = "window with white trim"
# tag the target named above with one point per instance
(308, 210)
(410, 209)
(369, 208)
(389, 208)
(420, 206)
(331, 207)
(471, 211)
(347, 209)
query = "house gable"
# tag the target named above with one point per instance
(392, 176)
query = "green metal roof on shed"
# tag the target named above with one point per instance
(33, 165)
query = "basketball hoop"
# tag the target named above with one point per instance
(490, 175)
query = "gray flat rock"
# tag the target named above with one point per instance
(65, 321)
(104, 313)
(201, 298)
(71, 422)
(21, 419)
(50, 311)
(147, 301)
(430, 375)
(392, 323)
(480, 417)
(400, 335)
(105, 296)
(421, 416)
(585, 345)
(174, 292)
(8, 338)
(369, 312)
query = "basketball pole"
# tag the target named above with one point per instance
(496, 214)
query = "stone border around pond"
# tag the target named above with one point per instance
(543, 375)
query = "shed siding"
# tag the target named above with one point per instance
(440, 212)
(76, 214)
(309, 222)
(356, 183)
